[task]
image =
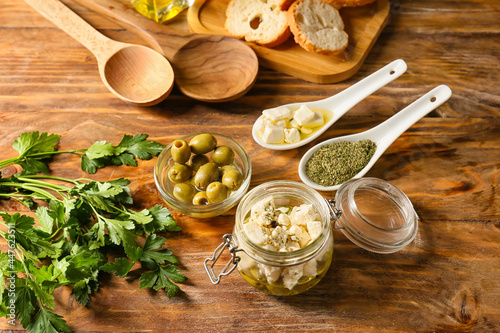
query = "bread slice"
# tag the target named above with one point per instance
(348, 3)
(317, 27)
(260, 21)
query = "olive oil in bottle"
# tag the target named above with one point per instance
(160, 10)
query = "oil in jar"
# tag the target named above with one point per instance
(160, 10)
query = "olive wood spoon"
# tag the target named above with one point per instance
(134, 73)
(209, 68)
(382, 135)
(340, 103)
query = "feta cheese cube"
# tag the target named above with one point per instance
(295, 233)
(291, 276)
(280, 123)
(291, 246)
(255, 232)
(283, 220)
(260, 125)
(314, 229)
(279, 236)
(303, 214)
(245, 262)
(316, 121)
(304, 240)
(277, 113)
(306, 130)
(303, 115)
(273, 134)
(310, 268)
(292, 135)
(272, 273)
(263, 211)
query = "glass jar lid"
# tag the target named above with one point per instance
(375, 215)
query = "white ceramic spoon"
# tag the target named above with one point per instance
(384, 134)
(342, 102)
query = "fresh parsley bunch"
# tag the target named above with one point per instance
(82, 224)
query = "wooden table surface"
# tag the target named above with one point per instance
(446, 280)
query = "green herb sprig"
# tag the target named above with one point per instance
(83, 224)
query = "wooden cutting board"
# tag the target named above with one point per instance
(362, 24)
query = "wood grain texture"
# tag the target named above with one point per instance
(447, 163)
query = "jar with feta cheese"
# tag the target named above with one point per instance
(282, 242)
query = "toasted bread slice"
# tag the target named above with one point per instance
(317, 27)
(259, 21)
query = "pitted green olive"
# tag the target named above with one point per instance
(200, 199)
(180, 151)
(203, 143)
(232, 179)
(198, 160)
(179, 173)
(223, 155)
(184, 192)
(217, 192)
(206, 174)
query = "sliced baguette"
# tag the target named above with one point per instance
(317, 27)
(259, 21)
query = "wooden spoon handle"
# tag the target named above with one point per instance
(108, 12)
(171, 40)
(56, 12)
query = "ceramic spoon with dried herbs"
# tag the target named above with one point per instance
(330, 163)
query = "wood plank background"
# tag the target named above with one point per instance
(447, 280)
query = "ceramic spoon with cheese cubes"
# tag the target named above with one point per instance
(305, 119)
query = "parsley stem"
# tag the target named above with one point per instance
(20, 158)
(34, 189)
(67, 180)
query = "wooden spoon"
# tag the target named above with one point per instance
(134, 73)
(209, 68)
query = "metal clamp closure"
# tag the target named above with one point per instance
(335, 213)
(231, 244)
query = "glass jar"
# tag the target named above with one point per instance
(160, 10)
(371, 212)
(278, 273)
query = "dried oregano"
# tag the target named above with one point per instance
(338, 162)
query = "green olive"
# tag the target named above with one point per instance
(229, 167)
(180, 151)
(232, 179)
(198, 160)
(184, 192)
(203, 143)
(206, 174)
(200, 199)
(179, 173)
(223, 155)
(216, 192)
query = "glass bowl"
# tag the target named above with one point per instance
(165, 186)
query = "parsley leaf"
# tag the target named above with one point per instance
(102, 154)
(48, 322)
(161, 278)
(120, 267)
